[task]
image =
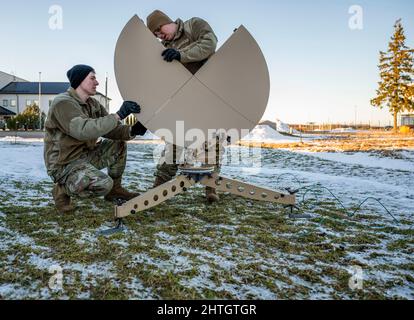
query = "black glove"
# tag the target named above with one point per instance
(127, 108)
(138, 129)
(171, 54)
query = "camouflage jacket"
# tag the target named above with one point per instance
(73, 128)
(196, 42)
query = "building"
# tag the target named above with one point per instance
(5, 114)
(6, 78)
(17, 96)
(408, 119)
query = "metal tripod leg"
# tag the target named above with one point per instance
(248, 190)
(154, 197)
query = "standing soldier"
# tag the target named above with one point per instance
(191, 42)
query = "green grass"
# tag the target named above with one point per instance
(185, 249)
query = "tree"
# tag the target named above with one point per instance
(396, 73)
(12, 123)
(28, 119)
(410, 92)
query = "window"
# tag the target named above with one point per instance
(5, 103)
(36, 102)
(407, 120)
(13, 103)
(28, 103)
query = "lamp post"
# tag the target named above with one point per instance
(356, 108)
(106, 92)
(40, 103)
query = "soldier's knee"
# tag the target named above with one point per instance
(77, 184)
(103, 186)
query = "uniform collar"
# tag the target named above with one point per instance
(72, 92)
(180, 29)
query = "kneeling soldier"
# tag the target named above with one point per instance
(74, 154)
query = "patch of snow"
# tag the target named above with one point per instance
(165, 236)
(344, 130)
(203, 255)
(20, 161)
(264, 133)
(139, 292)
(176, 262)
(283, 127)
(20, 139)
(401, 292)
(364, 159)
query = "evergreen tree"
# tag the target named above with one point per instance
(397, 74)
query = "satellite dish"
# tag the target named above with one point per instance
(229, 92)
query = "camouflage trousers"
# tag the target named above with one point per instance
(83, 177)
(167, 167)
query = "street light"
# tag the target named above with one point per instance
(40, 97)
(106, 92)
(356, 108)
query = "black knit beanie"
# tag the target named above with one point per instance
(77, 74)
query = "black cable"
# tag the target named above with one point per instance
(316, 187)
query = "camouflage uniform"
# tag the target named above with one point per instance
(196, 42)
(83, 177)
(73, 153)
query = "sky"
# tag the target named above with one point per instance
(322, 55)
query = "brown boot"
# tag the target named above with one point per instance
(119, 193)
(62, 200)
(159, 181)
(211, 195)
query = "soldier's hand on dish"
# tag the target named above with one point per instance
(127, 108)
(171, 54)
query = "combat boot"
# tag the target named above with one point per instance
(159, 181)
(211, 195)
(62, 200)
(119, 193)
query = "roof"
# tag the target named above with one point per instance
(52, 88)
(6, 112)
(5, 74)
(33, 88)
(6, 78)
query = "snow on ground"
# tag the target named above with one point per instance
(22, 160)
(365, 159)
(15, 139)
(344, 130)
(351, 177)
(283, 127)
(264, 133)
(356, 175)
